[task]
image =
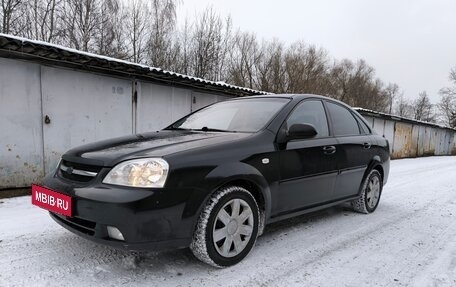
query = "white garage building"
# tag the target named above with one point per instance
(53, 98)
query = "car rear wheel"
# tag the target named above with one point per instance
(370, 193)
(227, 227)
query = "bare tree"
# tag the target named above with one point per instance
(403, 107)
(447, 105)
(137, 32)
(423, 109)
(375, 98)
(392, 91)
(41, 19)
(356, 84)
(109, 38)
(340, 77)
(272, 68)
(9, 15)
(81, 20)
(360, 84)
(243, 60)
(306, 68)
(161, 27)
(181, 50)
(207, 44)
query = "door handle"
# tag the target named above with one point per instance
(367, 145)
(329, 149)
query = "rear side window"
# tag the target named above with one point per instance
(364, 128)
(310, 112)
(344, 123)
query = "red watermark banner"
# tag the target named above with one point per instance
(51, 200)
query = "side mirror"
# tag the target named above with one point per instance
(301, 131)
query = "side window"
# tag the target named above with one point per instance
(310, 112)
(343, 121)
(364, 128)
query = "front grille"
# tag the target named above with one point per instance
(78, 172)
(81, 225)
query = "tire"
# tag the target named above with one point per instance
(221, 238)
(371, 191)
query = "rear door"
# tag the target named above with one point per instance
(308, 167)
(354, 149)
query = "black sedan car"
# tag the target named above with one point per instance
(212, 180)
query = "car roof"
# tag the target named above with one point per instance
(293, 96)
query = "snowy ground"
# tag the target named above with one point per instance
(409, 240)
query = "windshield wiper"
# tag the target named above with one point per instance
(177, 128)
(206, 129)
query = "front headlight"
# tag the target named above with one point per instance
(144, 172)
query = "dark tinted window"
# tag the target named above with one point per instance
(343, 121)
(310, 112)
(364, 128)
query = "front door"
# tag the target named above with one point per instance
(308, 167)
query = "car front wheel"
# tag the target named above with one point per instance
(227, 227)
(371, 190)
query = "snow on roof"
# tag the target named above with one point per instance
(56, 53)
(399, 118)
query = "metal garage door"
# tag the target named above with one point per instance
(80, 108)
(200, 100)
(21, 138)
(158, 106)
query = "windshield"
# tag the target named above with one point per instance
(246, 115)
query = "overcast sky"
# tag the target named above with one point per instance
(411, 43)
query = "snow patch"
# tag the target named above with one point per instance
(131, 261)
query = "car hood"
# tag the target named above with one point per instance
(156, 144)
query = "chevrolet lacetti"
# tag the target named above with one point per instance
(212, 180)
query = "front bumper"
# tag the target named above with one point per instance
(100, 235)
(147, 218)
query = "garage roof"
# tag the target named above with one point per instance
(47, 53)
(399, 118)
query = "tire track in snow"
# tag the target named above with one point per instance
(402, 216)
(329, 248)
(28, 252)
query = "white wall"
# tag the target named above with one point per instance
(158, 106)
(83, 108)
(21, 136)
